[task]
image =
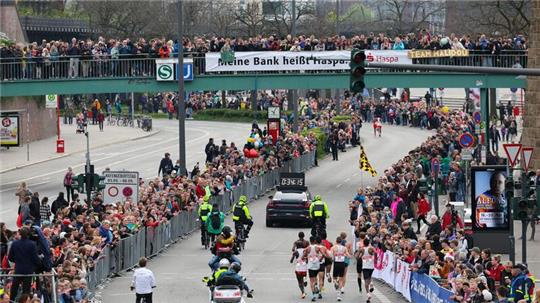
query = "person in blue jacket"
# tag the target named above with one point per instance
(24, 254)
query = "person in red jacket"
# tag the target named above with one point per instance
(451, 217)
(423, 209)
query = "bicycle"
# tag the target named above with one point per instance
(241, 237)
(205, 237)
(317, 228)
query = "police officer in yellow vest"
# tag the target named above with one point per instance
(204, 209)
(223, 267)
(241, 216)
(318, 212)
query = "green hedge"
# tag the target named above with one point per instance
(341, 119)
(321, 139)
(232, 115)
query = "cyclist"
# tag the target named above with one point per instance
(224, 248)
(318, 212)
(232, 277)
(215, 222)
(204, 209)
(242, 217)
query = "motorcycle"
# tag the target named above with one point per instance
(227, 294)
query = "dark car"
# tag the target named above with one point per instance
(288, 206)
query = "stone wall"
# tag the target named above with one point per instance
(10, 23)
(42, 120)
(531, 120)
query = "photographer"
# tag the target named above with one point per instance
(451, 217)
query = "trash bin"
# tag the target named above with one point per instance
(60, 145)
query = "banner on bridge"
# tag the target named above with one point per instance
(297, 61)
(426, 53)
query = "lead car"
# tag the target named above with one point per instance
(288, 206)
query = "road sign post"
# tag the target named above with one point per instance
(512, 152)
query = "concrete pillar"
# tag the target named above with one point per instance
(10, 23)
(531, 123)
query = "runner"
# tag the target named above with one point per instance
(367, 253)
(349, 247)
(326, 265)
(313, 254)
(359, 263)
(377, 127)
(341, 254)
(301, 265)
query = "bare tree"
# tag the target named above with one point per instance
(403, 16)
(251, 17)
(126, 19)
(223, 18)
(279, 14)
(508, 17)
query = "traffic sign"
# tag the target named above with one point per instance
(526, 156)
(477, 117)
(120, 186)
(435, 167)
(512, 152)
(466, 140)
(466, 154)
(51, 101)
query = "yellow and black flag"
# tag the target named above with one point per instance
(364, 163)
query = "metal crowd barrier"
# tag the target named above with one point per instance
(47, 284)
(149, 241)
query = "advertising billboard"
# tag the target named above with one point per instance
(490, 208)
(10, 130)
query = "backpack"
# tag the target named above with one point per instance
(215, 220)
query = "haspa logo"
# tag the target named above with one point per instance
(382, 59)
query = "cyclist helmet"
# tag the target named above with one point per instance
(242, 199)
(235, 266)
(226, 230)
(317, 198)
(224, 263)
(206, 198)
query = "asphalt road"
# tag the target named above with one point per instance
(141, 155)
(266, 259)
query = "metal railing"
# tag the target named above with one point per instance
(64, 67)
(45, 285)
(150, 241)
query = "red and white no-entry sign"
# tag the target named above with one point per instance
(120, 186)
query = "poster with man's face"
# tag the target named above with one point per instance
(490, 206)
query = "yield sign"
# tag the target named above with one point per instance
(526, 155)
(512, 152)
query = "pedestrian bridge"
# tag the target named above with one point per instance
(67, 76)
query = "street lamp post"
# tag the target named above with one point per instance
(181, 106)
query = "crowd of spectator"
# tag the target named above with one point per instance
(101, 57)
(386, 214)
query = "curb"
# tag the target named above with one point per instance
(78, 151)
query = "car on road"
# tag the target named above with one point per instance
(288, 206)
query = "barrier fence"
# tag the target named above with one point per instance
(65, 67)
(415, 287)
(44, 284)
(150, 241)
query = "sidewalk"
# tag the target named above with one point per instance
(45, 150)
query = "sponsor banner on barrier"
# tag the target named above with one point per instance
(403, 279)
(425, 53)
(305, 60)
(425, 290)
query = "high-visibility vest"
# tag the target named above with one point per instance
(318, 209)
(204, 210)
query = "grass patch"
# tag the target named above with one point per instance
(321, 140)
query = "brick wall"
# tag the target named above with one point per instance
(42, 120)
(531, 120)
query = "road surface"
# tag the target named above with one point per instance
(266, 259)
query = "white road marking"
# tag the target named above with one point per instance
(339, 185)
(15, 187)
(206, 133)
(348, 179)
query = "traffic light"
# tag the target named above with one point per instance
(422, 185)
(522, 209)
(358, 70)
(79, 183)
(98, 182)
